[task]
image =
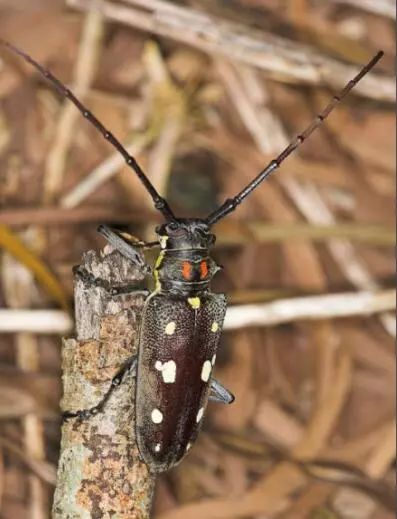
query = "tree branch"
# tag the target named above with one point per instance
(99, 471)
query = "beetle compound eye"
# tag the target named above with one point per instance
(186, 270)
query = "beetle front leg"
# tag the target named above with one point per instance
(126, 248)
(84, 414)
(220, 394)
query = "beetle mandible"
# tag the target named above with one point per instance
(182, 319)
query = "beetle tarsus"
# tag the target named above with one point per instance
(220, 394)
(90, 279)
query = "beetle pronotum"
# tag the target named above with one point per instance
(182, 319)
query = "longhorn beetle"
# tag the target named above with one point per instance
(182, 319)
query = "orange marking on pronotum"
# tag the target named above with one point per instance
(203, 269)
(186, 270)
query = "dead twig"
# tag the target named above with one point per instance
(330, 306)
(167, 117)
(44, 470)
(305, 196)
(283, 59)
(261, 232)
(35, 321)
(85, 69)
(103, 172)
(99, 471)
(312, 205)
(18, 284)
(383, 7)
(310, 308)
(228, 233)
(378, 464)
(48, 216)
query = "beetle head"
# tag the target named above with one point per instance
(185, 234)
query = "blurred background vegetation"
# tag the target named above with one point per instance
(204, 98)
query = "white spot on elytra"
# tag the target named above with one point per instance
(213, 359)
(170, 328)
(214, 327)
(206, 370)
(188, 446)
(200, 414)
(168, 370)
(157, 447)
(157, 416)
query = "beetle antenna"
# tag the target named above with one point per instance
(159, 203)
(231, 203)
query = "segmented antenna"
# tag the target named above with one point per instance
(231, 203)
(159, 203)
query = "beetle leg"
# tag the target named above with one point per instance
(220, 394)
(84, 414)
(136, 242)
(125, 247)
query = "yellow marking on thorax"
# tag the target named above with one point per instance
(194, 302)
(163, 241)
(157, 265)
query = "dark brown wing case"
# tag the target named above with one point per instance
(178, 343)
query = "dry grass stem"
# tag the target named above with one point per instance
(383, 7)
(383, 454)
(310, 308)
(40, 468)
(356, 450)
(204, 94)
(228, 233)
(35, 321)
(50, 216)
(19, 289)
(260, 232)
(166, 123)
(305, 196)
(313, 206)
(102, 173)
(268, 314)
(283, 59)
(86, 64)
(169, 108)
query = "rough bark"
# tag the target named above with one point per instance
(100, 474)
